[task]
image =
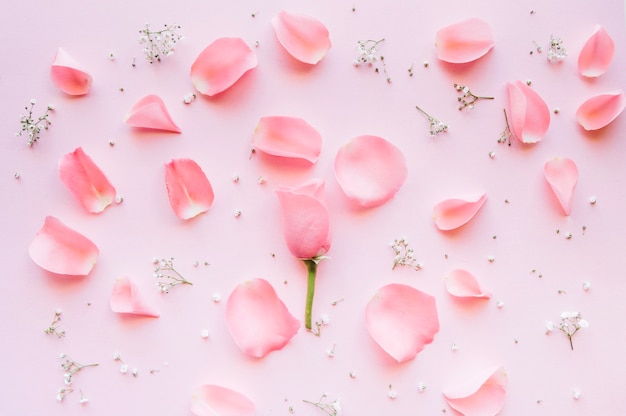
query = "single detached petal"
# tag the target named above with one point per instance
(86, 181)
(221, 64)
(189, 191)
(304, 37)
(529, 115)
(258, 320)
(402, 320)
(287, 137)
(150, 113)
(212, 400)
(462, 284)
(453, 213)
(126, 299)
(600, 110)
(370, 170)
(464, 41)
(483, 396)
(596, 54)
(69, 75)
(61, 250)
(562, 175)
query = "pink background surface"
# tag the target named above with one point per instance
(341, 102)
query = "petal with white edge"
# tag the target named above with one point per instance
(304, 37)
(600, 110)
(287, 137)
(596, 54)
(529, 113)
(455, 212)
(480, 395)
(125, 299)
(462, 284)
(69, 75)
(562, 176)
(150, 113)
(213, 400)
(464, 41)
(189, 191)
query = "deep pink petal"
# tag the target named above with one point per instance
(258, 320)
(69, 75)
(150, 113)
(596, 54)
(529, 114)
(453, 213)
(462, 284)
(304, 37)
(562, 175)
(287, 137)
(212, 400)
(61, 250)
(600, 110)
(189, 191)
(402, 320)
(126, 299)
(370, 170)
(221, 64)
(479, 397)
(464, 41)
(86, 181)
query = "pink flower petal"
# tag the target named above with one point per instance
(562, 175)
(126, 299)
(86, 181)
(453, 213)
(61, 250)
(212, 400)
(483, 396)
(189, 191)
(150, 113)
(69, 75)
(304, 37)
(258, 320)
(464, 41)
(462, 284)
(221, 64)
(287, 137)
(600, 110)
(402, 320)
(529, 114)
(370, 170)
(597, 53)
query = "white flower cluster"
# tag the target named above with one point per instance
(34, 125)
(159, 43)
(404, 255)
(556, 52)
(167, 277)
(367, 54)
(71, 368)
(330, 408)
(571, 323)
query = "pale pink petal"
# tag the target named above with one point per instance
(287, 137)
(258, 320)
(86, 181)
(304, 37)
(464, 41)
(69, 75)
(462, 284)
(189, 191)
(529, 115)
(562, 175)
(370, 170)
(597, 53)
(600, 110)
(221, 64)
(61, 250)
(452, 213)
(482, 396)
(150, 113)
(212, 400)
(127, 300)
(402, 320)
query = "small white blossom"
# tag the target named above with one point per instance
(549, 327)
(586, 286)
(216, 297)
(124, 368)
(325, 319)
(204, 333)
(576, 394)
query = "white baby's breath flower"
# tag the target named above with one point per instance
(549, 327)
(124, 368)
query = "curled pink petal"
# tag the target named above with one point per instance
(126, 299)
(464, 41)
(150, 113)
(529, 116)
(304, 37)
(597, 53)
(212, 400)
(562, 175)
(370, 170)
(258, 320)
(600, 110)
(453, 213)
(483, 396)
(189, 191)
(221, 64)
(69, 75)
(462, 284)
(402, 320)
(287, 137)
(61, 250)
(86, 181)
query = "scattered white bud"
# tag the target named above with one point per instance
(216, 297)
(124, 368)
(576, 394)
(237, 213)
(325, 319)
(111, 56)
(492, 154)
(119, 199)
(16, 175)
(421, 387)
(586, 286)
(500, 304)
(189, 98)
(593, 200)
(568, 235)
(33, 101)
(134, 372)
(204, 333)
(261, 180)
(352, 374)
(236, 178)
(491, 259)
(454, 347)
(549, 327)
(392, 394)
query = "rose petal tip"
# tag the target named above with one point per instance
(462, 284)
(529, 113)
(287, 137)
(596, 54)
(562, 176)
(213, 400)
(453, 213)
(464, 42)
(481, 395)
(125, 299)
(189, 191)
(69, 75)
(600, 110)
(150, 113)
(304, 37)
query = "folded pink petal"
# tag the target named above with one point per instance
(304, 37)
(370, 170)
(287, 137)
(402, 320)
(61, 250)
(86, 181)
(596, 54)
(69, 75)
(562, 175)
(221, 64)
(529, 113)
(462, 284)
(464, 41)
(600, 110)
(483, 396)
(453, 213)
(212, 400)
(258, 320)
(127, 300)
(189, 191)
(150, 113)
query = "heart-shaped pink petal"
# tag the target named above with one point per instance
(287, 137)
(529, 113)
(69, 75)
(212, 400)
(462, 284)
(596, 54)
(150, 113)
(562, 175)
(600, 110)
(483, 395)
(126, 299)
(189, 191)
(304, 37)
(455, 212)
(464, 41)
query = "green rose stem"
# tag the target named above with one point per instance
(311, 265)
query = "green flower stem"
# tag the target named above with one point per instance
(311, 266)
